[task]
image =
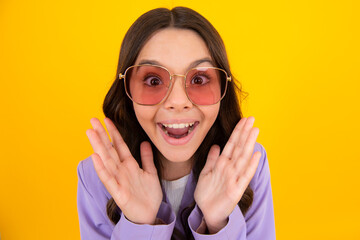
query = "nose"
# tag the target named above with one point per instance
(177, 98)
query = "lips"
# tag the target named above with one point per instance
(178, 130)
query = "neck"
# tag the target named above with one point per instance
(174, 170)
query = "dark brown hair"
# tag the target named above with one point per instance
(119, 108)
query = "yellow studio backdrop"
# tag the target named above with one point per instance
(298, 60)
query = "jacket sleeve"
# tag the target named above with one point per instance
(92, 198)
(258, 223)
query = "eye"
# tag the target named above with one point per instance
(152, 81)
(200, 79)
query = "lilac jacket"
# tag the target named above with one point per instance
(257, 224)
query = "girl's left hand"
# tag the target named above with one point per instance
(224, 178)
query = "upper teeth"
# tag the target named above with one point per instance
(178, 125)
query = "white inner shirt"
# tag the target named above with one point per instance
(175, 190)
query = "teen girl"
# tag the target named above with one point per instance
(182, 162)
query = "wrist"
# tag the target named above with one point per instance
(215, 226)
(141, 219)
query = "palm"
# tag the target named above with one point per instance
(136, 191)
(217, 191)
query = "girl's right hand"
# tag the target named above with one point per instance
(136, 191)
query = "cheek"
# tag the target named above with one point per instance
(145, 116)
(211, 113)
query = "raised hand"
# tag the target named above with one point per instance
(224, 178)
(136, 191)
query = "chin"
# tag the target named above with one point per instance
(178, 156)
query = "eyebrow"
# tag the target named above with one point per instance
(191, 65)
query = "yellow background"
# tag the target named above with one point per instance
(298, 60)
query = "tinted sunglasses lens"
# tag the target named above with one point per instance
(147, 85)
(206, 86)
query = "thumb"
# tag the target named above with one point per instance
(211, 159)
(147, 158)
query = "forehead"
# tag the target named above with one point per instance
(174, 48)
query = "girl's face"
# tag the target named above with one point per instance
(176, 126)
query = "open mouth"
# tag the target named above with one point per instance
(178, 130)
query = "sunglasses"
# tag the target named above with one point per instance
(151, 84)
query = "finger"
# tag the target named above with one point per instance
(104, 175)
(213, 155)
(118, 142)
(100, 130)
(245, 178)
(100, 149)
(242, 138)
(97, 144)
(248, 149)
(147, 158)
(232, 142)
(100, 168)
(98, 127)
(245, 131)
